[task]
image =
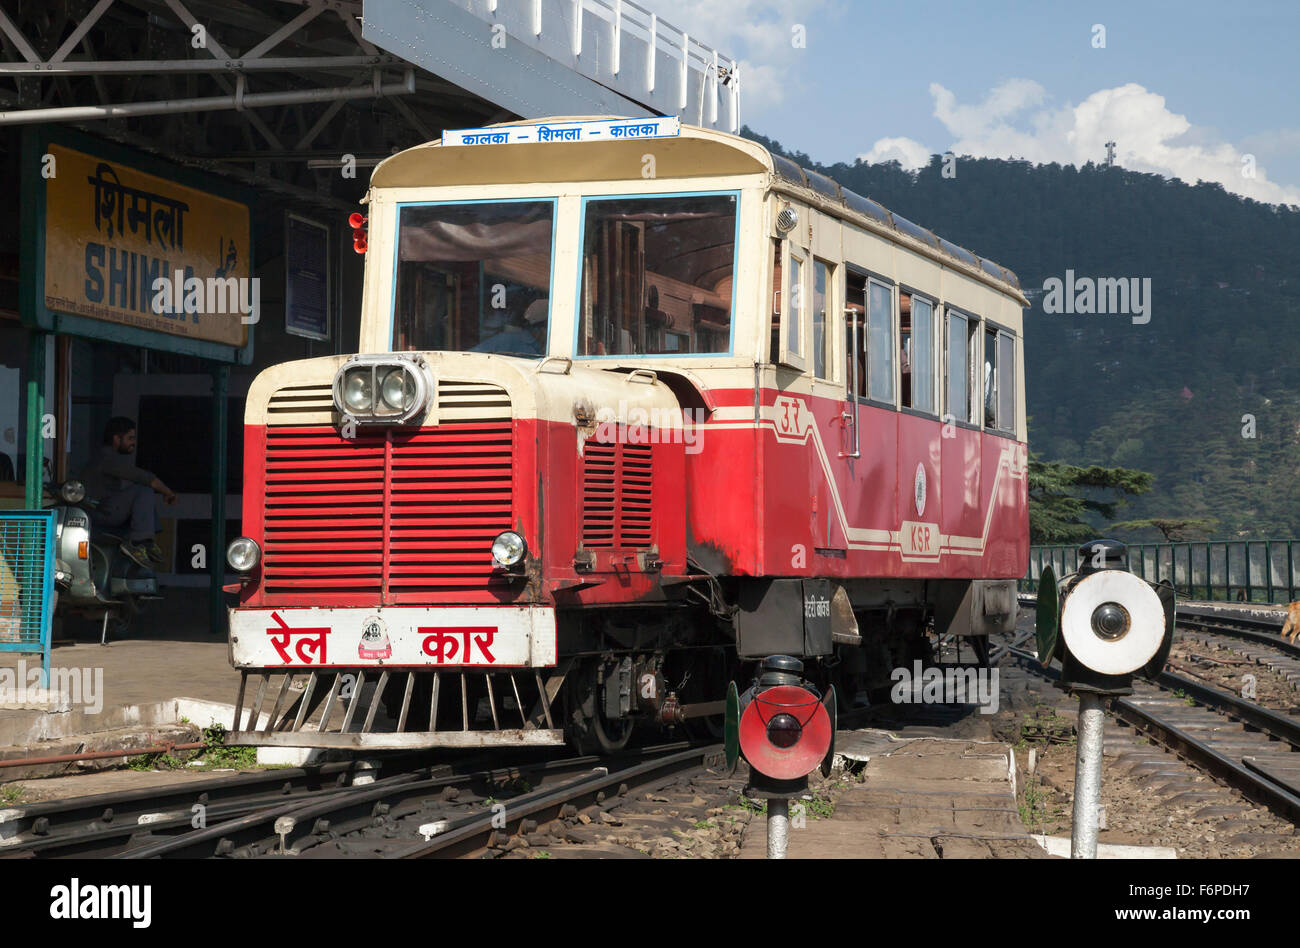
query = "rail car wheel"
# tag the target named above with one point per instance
(589, 729)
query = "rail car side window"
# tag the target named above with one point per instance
(962, 344)
(880, 341)
(794, 308)
(916, 321)
(657, 275)
(821, 327)
(474, 277)
(999, 380)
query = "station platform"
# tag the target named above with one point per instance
(919, 798)
(165, 683)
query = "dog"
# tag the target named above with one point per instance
(1292, 624)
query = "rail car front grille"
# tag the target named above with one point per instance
(390, 515)
(301, 404)
(616, 485)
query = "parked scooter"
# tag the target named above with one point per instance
(93, 577)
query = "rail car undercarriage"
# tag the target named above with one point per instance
(623, 670)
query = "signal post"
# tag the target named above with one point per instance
(1104, 625)
(785, 729)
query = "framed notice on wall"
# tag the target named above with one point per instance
(306, 278)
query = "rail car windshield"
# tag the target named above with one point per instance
(474, 277)
(657, 274)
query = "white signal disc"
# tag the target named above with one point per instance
(1146, 622)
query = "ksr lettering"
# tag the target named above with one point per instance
(921, 538)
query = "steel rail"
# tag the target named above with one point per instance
(49, 821)
(1253, 783)
(96, 825)
(473, 834)
(1240, 628)
(251, 828)
(101, 755)
(1270, 722)
(102, 840)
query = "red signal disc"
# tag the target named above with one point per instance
(785, 763)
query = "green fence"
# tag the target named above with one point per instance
(27, 584)
(1224, 570)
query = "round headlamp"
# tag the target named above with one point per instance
(508, 549)
(398, 389)
(73, 492)
(358, 392)
(242, 554)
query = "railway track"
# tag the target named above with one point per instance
(113, 824)
(1257, 631)
(81, 825)
(424, 811)
(595, 792)
(1251, 748)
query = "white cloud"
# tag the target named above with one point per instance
(1008, 99)
(758, 33)
(908, 152)
(1013, 121)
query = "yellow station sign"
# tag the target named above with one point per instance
(132, 248)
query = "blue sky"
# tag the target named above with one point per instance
(1186, 89)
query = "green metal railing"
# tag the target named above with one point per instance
(27, 584)
(1223, 570)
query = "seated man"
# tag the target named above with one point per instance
(125, 493)
(516, 332)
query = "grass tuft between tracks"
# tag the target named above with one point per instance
(214, 755)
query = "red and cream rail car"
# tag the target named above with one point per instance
(636, 403)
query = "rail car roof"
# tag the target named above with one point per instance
(696, 152)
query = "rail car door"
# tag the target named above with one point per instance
(920, 502)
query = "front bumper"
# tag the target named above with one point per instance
(481, 638)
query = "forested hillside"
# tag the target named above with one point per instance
(1179, 396)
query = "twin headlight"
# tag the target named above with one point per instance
(382, 389)
(508, 549)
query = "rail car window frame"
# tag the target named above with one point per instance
(550, 199)
(886, 349)
(584, 202)
(794, 299)
(1003, 376)
(934, 361)
(868, 278)
(823, 348)
(974, 394)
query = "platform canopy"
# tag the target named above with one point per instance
(271, 93)
(274, 93)
(563, 57)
